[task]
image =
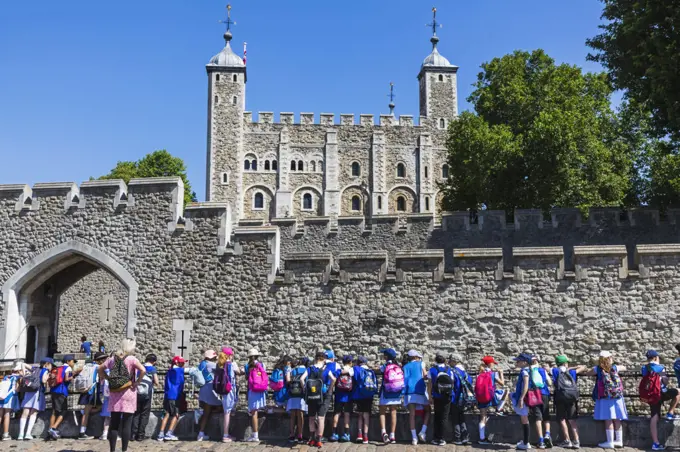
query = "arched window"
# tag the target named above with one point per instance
(258, 201)
(225, 178)
(246, 165)
(442, 123)
(401, 170)
(275, 165)
(427, 203)
(217, 78)
(441, 78)
(401, 204)
(217, 100)
(320, 166)
(445, 171)
(253, 164)
(234, 100)
(356, 203)
(236, 78)
(266, 165)
(307, 201)
(301, 165)
(356, 169)
(313, 168)
(426, 172)
(292, 165)
(379, 202)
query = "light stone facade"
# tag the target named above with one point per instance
(315, 153)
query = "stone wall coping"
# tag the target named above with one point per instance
(363, 255)
(420, 254)
(316, 220)
(14, 187)
(156, 181)
(350, 219)
(67, 186)
(253, 230)
(207, 205)
(308, 257)
(283, 221)
(664, 248)
(538, 251)
(113, 183)
(420, 216)
(478, 253)
(600, 250)
(377, 218)
(253, 222)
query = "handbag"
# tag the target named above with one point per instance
(534, 397)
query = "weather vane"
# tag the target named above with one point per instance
(228, 22)
(392, 96)
(434, 23)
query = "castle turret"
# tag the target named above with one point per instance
(438, 85)
(226, 102)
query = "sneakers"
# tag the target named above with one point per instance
(566, 444)
(385, 438)
(392, 439)
(521, 446)
(484, 441)
(435, 442)
(458, 443)
(334, 437)
(414, 441)
(575, 445)
(360, 438)
(84, 435)
(541, 444)
(291, 439)
(657, 446)
(548, 441)
(422, 437)
(345, 438)
(202, 436)
(28, 437)
(171, 437)
(5, 437)
(227, 439)
(606, 445)
(318, 444)
(365, 440)
(253, 439)
(672, 417)
(54, 434)
(20, 438)
(310, 442)
(618, 444)
(160, 437)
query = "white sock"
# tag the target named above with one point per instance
(610, 436)
(105, 433)
(424, 429)
(31, 423)
(383, 431)
(82, 429)
(413, 434)
(481, 431)
(256, 435)
(169, 432)
(618, 435)
(22, 426)
(201, 434)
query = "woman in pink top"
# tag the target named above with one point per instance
(123, 404)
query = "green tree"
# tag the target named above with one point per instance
(157, 164)
(543, 135)
(640, 47)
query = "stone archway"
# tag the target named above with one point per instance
(40, 269)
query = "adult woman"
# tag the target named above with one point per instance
(256, 399)
(34, 402)
(122, 394)
(206, 396)
(609, 404)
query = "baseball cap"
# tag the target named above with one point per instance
(651, 354)
(392, 353)
(414, 354)
(329, 354)
(347, 358)
(178, 360)
(561, 359)
(489, 360)
(605, 354)
(68, 358)
(210, 354)
(46, 360)
(523, 357)
(362, 360)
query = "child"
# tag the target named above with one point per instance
(296, 405)
(206, 395)
(344, 384)
(317, 409)
(278, 378)
(487, 381)
(653, 366)
(174, 387)
(59, 391)
(141, 418)
(461, 379)
(541, 414)
(364, 391)
(104, 413)
(610, 406)
(523, 361)
(257, 397)
(566, 408)
(85, 347)
(34, 402)
(390, 393)
(10, 402)
(228, 400)
(101, 348)
(442, 402)
(415, 394)
(91, 400)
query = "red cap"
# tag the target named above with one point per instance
(488, 360)
(178, 360)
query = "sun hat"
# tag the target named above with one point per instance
(605, 354)
(210, 354)
(253, 352)
(488, 360)
(228, 351)
(561, 359)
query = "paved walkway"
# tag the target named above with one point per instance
(65, 445)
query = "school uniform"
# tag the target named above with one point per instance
(174, 387)
(388, 398)
(230, 400)
(141, 417)
(541, 412)
(564, 410)
(519, 388)
(343, 399)
(60, 392)
(442, 405)
(256, 400)
(607, 408)
(457, 413)
(35, 400)
(415, 389)
(320, 408)
(12, 400)
(666, 392)
(206, 394)
(362, 403)
(494, 400)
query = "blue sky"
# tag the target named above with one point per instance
(86, 83)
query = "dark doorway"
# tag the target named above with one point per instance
(31, 336)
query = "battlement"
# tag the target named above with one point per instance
(329, 119)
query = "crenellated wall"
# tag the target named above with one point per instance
(194, 281)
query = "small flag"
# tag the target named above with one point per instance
(244, 53)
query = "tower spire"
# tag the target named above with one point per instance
(228, 23)
(434, 39)
(392, 96)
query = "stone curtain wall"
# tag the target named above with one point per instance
(83, 311)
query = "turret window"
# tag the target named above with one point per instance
(246, 165)
(266, 165)
(301, 165)
(356, 203)
(258, 201)
(217, 100)
(234, 100)
(401, 204)
(217, 78)
(401, 170)
(236, 78)
(356, 169)
(426, 172)
(427, 203)
(307, 201)
(442, 123)
(313, 166)
(275, 166)
(253, 165)
(320, 166)
(379, 202)
(445, 171)
(292, 165)
(441, 78)
(225, 178)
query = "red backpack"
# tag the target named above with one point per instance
(484, 391)
(650, 387)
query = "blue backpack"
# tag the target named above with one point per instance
(367, 383)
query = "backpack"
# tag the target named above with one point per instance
(314, 387)
(56, 376)
(276, 382)
(344, 383)
(205, 373)
(650, 387)
(257, 378)
(443, 382)
(145, 387)
(536, 378)
(567, 389)
(484, 390)
(33, 381)
(295, 388)
(393, 378)
(85, 380)
(7, 388)
(196, 376)
(466, 398)
(222, 381)
(119, 376)
(367, 383)
(609, 384)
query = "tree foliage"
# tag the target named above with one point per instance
(640, 47)
(543, 135)
(157, 164)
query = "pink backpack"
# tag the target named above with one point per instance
(393, 379)
(257, 379)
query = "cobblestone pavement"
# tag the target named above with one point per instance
(66, 445)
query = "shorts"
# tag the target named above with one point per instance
(170, 407)
(566, 410)
(364, 405)
(343, 407)
(541, 412)
(665, 396)
(319, 408)
(59, 404)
